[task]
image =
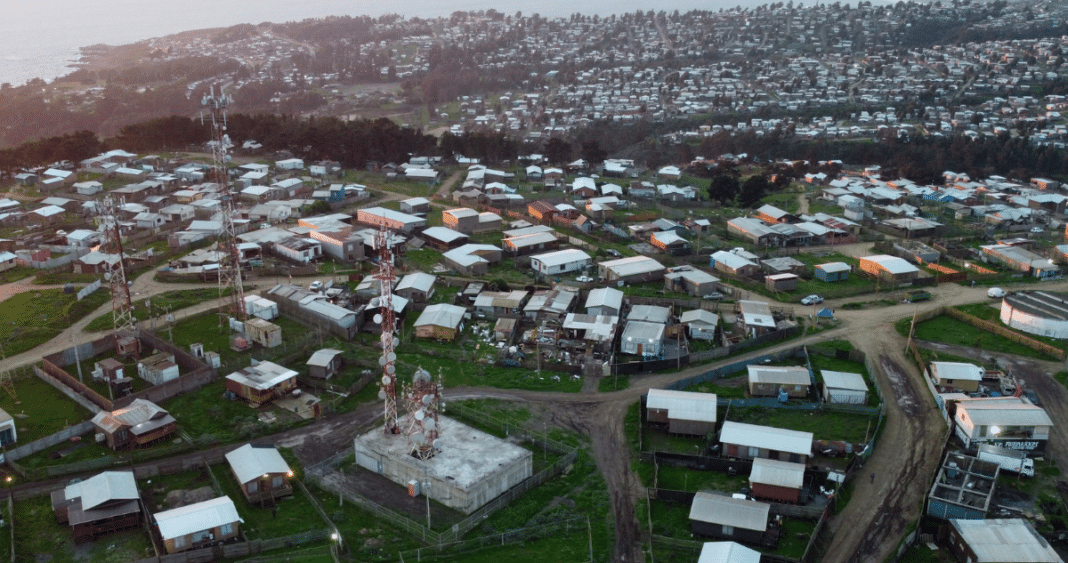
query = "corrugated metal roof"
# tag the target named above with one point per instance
(107, 486)
(263, 375)
(727, 552)
(419, 281)
(778, 439)
(1004, 411)
(891, 264)
(683, 405)
(958, 370)
(560, 257)
(832, 267)
(322, 357)
(605, 297)
(196, 517)
(635, 265)
(777, 473)
(1005, 539)
(843, 380)
(785, 375)
(724, 510)
(250, 462)
(441, 314)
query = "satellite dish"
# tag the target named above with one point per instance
(427, 399)
(378, 319)
(386, 379)
(381, 393)
(396, 342)
(420, 415)
(391, 369)
(107, 276)
(418, 438)
(429, 424)
(170, 318)
(392, 356)
(437, 443)
(381, 360)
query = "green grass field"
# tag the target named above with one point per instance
(41, 410)
(951, 331)
(37, 533)
(30, 319)
(168, 301)
(824, 425)
(295, 514)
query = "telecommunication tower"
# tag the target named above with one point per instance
(388, 321)
(121, 304)
(423, 398)
(230, 265)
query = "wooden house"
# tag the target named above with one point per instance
(741, 520)
(441, 321)
(198, 525)
(683, 412)
(261, 472)
(325, 363)
(261, 383)
(104, 504)
(769, 381)
(778, 481)
(140, 424)
(751, 441)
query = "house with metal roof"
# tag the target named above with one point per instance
(727, 552)
(683, 412)
(776, 480)
(441, 321)
(733, 263)
(597, 331)
(417, 287)
(472, 259)
(560, 262)
(957, 377)
(103, 504)
(551, 304)
(750, 441)
(722, 517)
(261, 383)
(325, 363)
(139, 424)
(462, 219)
(634, 269)
(1008, 422)
(691, 280)
(844, 388)
(832, 271)
(649, 314)
(1000, 539)
(891, 268)
(770, 381)
(261, 472)
(198, 525)
(493, 304)
(390, 219)
(756, 317)
(700, 324)
(604, 301)
(642, 338)
(444, 238)
(530, 243)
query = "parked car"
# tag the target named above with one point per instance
(1036, 230)
(584, 279)
(315, 285)
(812, 300)
(714, 296)
(995, 292)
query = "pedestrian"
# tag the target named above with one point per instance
(274, 511)
(872, 477)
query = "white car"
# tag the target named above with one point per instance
(1036, 230)
(584, 279)
(315, 285)
(995, 292)
(812, 300)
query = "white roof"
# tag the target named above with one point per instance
(561, 257)
(632, 266)
(444, 234)
(731, 260)
(767, 437)
(724, 510)
(1004, 411)
(757, 313)
(250, 462)
(892, 264)
(392, 215)
(48, 210)
(599, 328)
(958, 370)
(322, 357)
(413, 201)
(727, 552)
(1005, 539)
(196, 517)
(786, 375)
(461, 212)
(107, 486)
(419, 280)
(263, 375)
(834, 267)
(699, 317)
(605, 297)
(643, 331)
(683, 405)
(778, 473)
(843, 380)
(441, 314)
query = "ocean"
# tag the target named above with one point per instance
(42, 37)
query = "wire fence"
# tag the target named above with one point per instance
(509, 537)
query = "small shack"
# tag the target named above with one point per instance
(261, 383)
(844, 388)
(832, 271)
(325, 363)
(779, 481)
(684, 412)
(723, 517)
(261, 472)
(158, 368)
(264, 333)
(769, 381)
(781, 282)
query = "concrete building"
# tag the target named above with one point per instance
(963, 488)
(750, 441)
(683, 412)
(473, 469)
(1008, 422)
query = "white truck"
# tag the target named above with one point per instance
(1009, 460)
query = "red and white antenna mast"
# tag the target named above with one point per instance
(387, 319)
(230, 265)
(423, 400)
(121, 304)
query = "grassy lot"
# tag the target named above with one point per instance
(129, 370)
(682, 479)
(206, 414)
(41, 410)
(821, 362)
(951, 331)
(17, 273)
(613, 383)
(724, 391)
(991, 311)
(155, 489)
(35, 317)
(369, 538)
(824, 425)
(37, 533)
(168, 301)
(66, 277)
(422, 259)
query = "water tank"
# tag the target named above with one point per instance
(783, 396)
(99, 437)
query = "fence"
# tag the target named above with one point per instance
(777, 508)
(239, 549)
(1005, 332)
(49, 441)
(715, 374)
(11, 526)
(518, 535)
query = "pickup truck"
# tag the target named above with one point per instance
(917, 295)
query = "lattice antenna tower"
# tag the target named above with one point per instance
(121, 304)
(230, 265)
(387, 319)
(423, 401)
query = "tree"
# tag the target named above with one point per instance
(558, 151)
(723, 188)
(592, 151)
(753, 189)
